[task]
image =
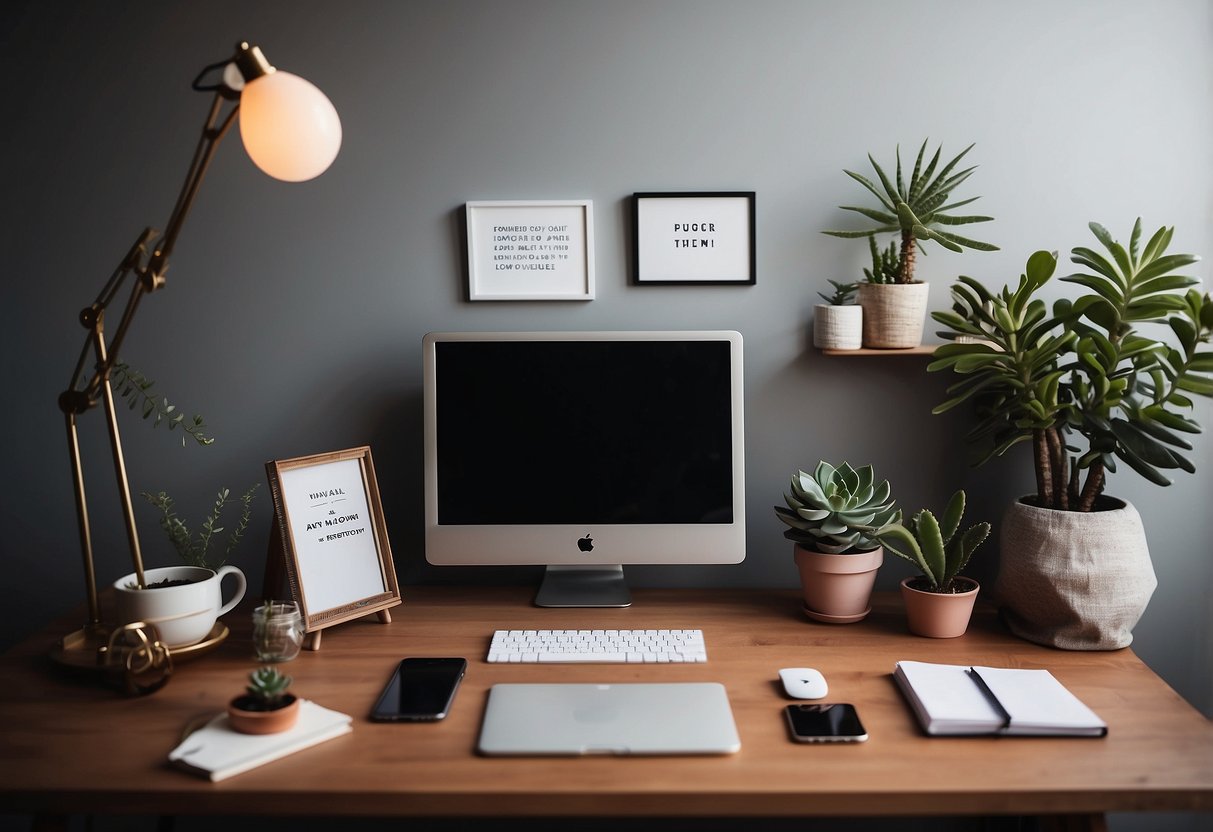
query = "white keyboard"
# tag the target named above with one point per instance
(598, 646)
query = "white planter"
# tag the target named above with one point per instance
(893, 314)
(837, 327)
(1072, 579)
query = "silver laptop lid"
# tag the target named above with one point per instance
(575, 719)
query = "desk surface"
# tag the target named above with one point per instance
(71, 745)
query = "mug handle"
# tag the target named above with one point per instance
(241, 585)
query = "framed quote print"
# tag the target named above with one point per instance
(694, 238)
(330, 530)
(531, 250)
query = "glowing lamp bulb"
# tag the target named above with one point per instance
(289, 127)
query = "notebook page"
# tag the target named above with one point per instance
(947, 699)
(1039, 704)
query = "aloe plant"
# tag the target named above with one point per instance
(1085, 370)
(932, 544)
(917, 210)
(835, 510)
(841, 295)
(884, 263)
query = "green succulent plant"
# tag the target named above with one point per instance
(842, 294)
(885, 263)
(1084, 371)
(917, 210)
(267, 686)
(834, 510)
(932, 545)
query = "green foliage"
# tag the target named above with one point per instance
(140, 395)
(268, 686)
(885, 263)
(194, 548)
(917, 210)
(843, 293)
(1085, 370)
(932, 545)
(835, 509)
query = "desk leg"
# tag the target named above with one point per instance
(1095, 822)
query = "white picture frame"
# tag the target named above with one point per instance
(530, 250)
(694, 238)
(330, 529)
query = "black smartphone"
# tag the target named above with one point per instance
(421, 690)
(825, 723)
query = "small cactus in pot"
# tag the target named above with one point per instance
(265, 707)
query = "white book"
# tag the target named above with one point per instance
(956, 700)
(217, 752)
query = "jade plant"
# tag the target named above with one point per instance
(841, 295)
(835, 510)
(1082, 382)
(266, 690)
(917, 210)
(933, 546)
(195, 549)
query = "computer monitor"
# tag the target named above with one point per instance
(583, 452)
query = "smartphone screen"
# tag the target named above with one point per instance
(420, 690)
(825, 723)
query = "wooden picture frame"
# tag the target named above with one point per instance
(694, 238)
(330, 538)
(530, 250)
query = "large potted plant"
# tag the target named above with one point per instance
(939, 602)
(1088, 388)
(831, 514)
(895, 302)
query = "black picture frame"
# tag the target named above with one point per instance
(694, 238)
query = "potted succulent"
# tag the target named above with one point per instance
(917, 211)
(838, 323)
(940, 601)
(265, 707)
(830, 514)
(1089, 389)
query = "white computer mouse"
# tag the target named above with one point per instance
(804, 683)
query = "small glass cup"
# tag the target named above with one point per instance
(277, 631)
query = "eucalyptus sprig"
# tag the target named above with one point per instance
(140, 394)
(194, 548)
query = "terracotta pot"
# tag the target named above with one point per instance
(893, 314)
(262, 722)
(837, 588)
(939, 614)
(1073, 579)
(837, 327)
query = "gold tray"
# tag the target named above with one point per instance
(80, 649)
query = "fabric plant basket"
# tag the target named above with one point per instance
(893, 314)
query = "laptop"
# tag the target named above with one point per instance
(578, 719)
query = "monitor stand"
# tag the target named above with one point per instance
(575, 585)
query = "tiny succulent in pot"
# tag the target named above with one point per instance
(932, 544)
(835, 509)
(266, 689)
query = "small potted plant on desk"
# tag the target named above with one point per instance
(939, 602)
(827, 513)
(894, 302)
(265, 707)
(838, 323)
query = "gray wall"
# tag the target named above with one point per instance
(293, 315)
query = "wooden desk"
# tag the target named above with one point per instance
(72, 746)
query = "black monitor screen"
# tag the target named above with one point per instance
(583, 432)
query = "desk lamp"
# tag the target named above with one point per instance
(291, 131)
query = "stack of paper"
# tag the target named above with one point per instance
(217, 751)
(957, 700)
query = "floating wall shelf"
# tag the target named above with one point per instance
(923, 349)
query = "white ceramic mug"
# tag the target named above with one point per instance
(183, 614)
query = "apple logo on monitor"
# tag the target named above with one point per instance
(586, 544)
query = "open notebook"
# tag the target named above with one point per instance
(957, 700)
